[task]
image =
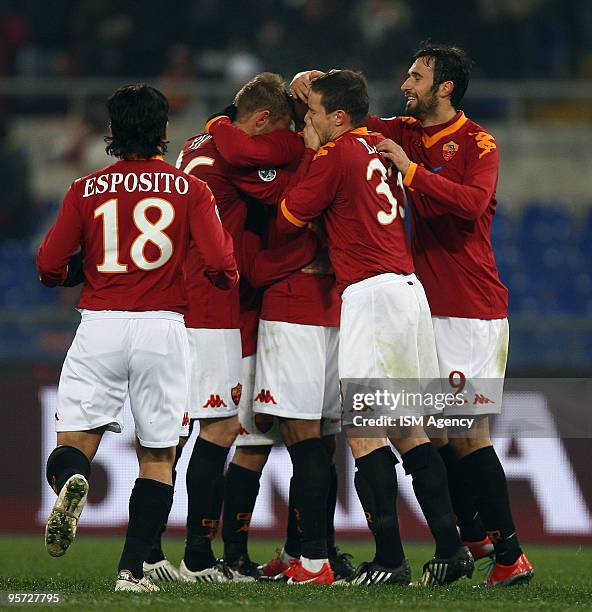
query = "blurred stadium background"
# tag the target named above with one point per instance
(532, 88)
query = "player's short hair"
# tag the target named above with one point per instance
(345, 90)
(138, 114)
(449, 64)
(263, 92)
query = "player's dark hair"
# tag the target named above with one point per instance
(449, 64)
(344, 90)
(263, 92)
(139, 114)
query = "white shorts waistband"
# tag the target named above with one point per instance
(375, 281)
(89, 315)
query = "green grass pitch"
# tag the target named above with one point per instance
(86, 578)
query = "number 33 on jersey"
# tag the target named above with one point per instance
(347, 181)
(134, 220)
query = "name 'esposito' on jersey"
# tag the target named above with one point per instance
(155, 182)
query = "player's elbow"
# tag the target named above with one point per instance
(48, 274)
(223, 279)
(472, 208)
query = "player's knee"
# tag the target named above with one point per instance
(364, 446)
(465, 446)
(222, 432)
(252, 458)
(298, 430)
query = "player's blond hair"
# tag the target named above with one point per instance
(263, 92)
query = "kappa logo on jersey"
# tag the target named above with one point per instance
(484, 141)
(264, 422)
(235, 394)
(482, 399)
(449, 150)
(267, 175)
(185, 419)
(265, 397)
(215, 401)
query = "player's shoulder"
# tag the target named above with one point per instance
(479, 137)
(104, 170)
(202, 142)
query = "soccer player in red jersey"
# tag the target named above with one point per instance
(297, 305)
(134, 220)
(386, 330)
(450, 167)
(214, 333)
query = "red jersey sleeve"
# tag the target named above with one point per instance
(61, 242)
(212, 241)
(468, 199)
(262, 267)
(268, 186)
(389, 127)
(277, 148)
(314, 192)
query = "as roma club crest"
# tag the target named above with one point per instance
(236, 393)
(449, 150)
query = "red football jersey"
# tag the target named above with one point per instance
(307, 297)
(347, 180)
(134, 220)
(451, 191)
(261, 268)
(208, 306)
(278, 148)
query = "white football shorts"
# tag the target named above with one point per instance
(263, 429)
(113, 352)
(387, 338)
(296, 372)
(216, 372)
(472, 354)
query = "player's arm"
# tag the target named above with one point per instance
(262, 267)
(268, 186)
(277, 148)
(61, 242)
(212, 241)
(468, 199)
(390, 127)
(313, 193)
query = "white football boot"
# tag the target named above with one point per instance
(217, 573)
(162, 571)
(62, 523)
(127, 582)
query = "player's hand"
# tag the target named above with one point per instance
(301, 84)
(75, 274)
(391, 150)
(311, 138)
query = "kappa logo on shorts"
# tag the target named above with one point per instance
(215, 401)
(482, 399)
(242, 431)
(185, 420)
(263, 422)
(265, 397)
(56, 416)
(235, 394)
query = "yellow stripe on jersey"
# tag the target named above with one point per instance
(289, 216)
(410, 174)
(428, 141)
(211, 122)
